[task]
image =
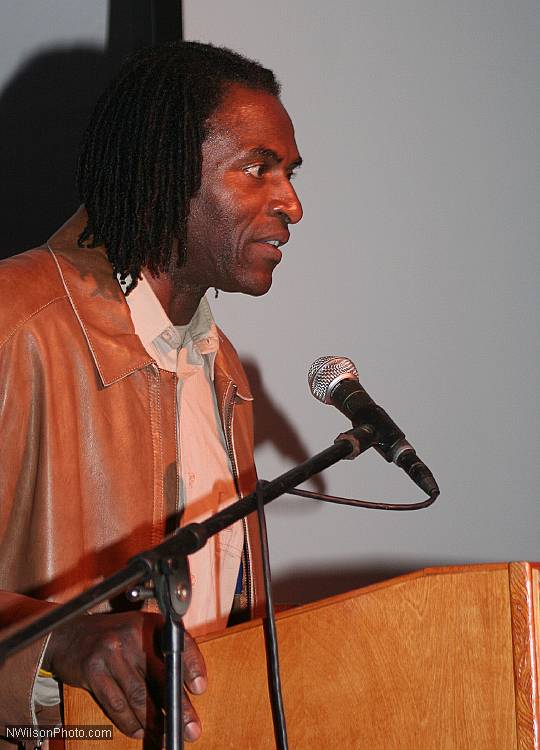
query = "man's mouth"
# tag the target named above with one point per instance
(275, 241)
(270, 249)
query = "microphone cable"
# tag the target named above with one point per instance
(370, 504)
(270, 633)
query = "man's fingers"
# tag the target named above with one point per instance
(190, 720)
(115, 657)
(132, 683)
(114, 702)
(194, 667)
(196, 680)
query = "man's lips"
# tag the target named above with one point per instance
(276, 240)
(269, 250)
(269, 245)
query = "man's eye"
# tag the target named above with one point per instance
(255, 170)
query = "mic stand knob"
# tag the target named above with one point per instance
(140, 593)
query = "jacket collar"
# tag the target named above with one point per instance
(98, 303)
(103, 314)
(228, 371)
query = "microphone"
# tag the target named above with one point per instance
(334, 380)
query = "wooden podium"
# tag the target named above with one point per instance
(442, 659)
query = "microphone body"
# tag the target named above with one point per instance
(334, 380)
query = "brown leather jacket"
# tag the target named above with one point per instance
(88, 470)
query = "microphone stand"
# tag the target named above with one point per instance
(167, 567)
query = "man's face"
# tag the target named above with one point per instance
(246, 200)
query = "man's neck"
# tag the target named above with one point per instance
(180, 301)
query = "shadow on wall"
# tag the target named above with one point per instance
(273, 426)
(43, 112)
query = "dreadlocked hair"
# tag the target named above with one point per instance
(140, 158)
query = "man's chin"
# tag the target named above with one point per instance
(261, 288)
(253, 287)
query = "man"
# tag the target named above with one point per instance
(124, 410)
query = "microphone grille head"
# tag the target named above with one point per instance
(326, 372)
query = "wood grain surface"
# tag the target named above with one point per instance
(426, 661)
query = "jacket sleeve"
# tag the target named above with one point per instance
(20, 426)
(18, 673)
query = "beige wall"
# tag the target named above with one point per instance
(418, 257)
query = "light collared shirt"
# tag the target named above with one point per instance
(205, 475)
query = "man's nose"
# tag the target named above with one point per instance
(287, 204)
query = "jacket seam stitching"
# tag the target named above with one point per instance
(85, 332)
(36, 666)
(224, 397)
(177, 504)
(251, 594)
(155, 423)
(72, 303)
(223, 340)
(22, 323)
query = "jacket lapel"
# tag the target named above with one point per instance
(98, 302)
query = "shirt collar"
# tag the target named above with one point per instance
(156, 330)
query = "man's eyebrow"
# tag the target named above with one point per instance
(271, 155)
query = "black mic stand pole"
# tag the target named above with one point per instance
(166, 564)
(174, 600)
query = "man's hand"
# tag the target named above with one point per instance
(117, 658)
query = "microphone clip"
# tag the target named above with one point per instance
(361, 438)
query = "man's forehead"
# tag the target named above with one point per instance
(236, 97)
(254, 121)
(242, 107)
